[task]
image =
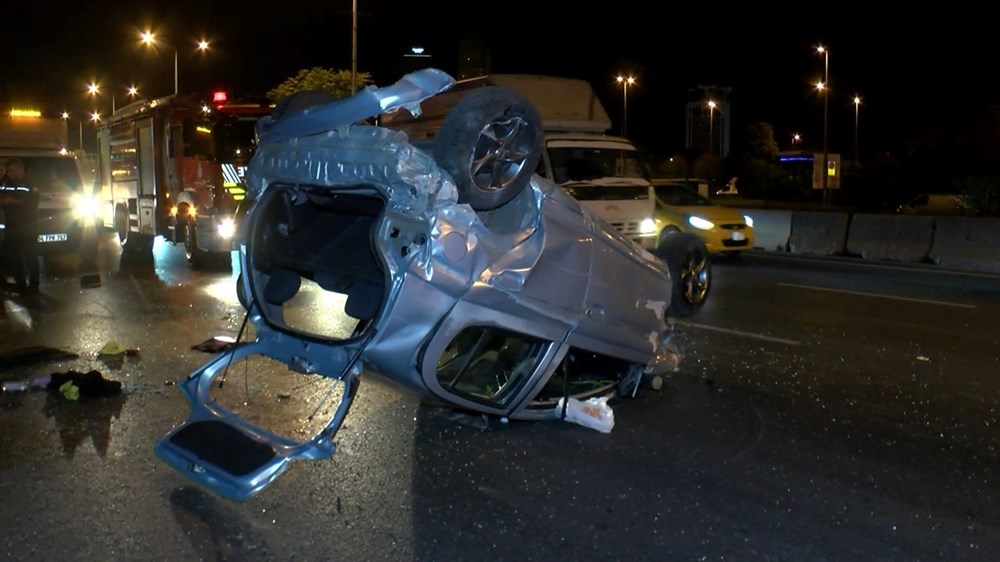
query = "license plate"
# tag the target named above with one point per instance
(53, 237)
(737, 236)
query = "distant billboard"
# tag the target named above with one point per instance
(831, 168)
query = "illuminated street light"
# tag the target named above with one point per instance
(625, 82)
(825, 86)
(711, 126)
(149, 39)
(796, 138)
(857, 106)
(93, 90)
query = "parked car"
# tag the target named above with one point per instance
(944, 204)
(723, 230)
(451, 271)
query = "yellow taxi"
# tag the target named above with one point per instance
(724, 230)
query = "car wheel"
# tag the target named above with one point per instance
(668, 231)
(490, 143)
(690, 271)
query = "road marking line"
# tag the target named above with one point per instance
(863, 294)
(738, 333)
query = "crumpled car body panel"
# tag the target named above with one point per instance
(478, 310)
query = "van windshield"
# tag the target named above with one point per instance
(51, 174)
(582, 163)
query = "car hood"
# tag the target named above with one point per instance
(716, 214)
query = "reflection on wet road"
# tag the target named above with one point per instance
(803, 425)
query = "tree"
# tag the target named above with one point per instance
(334, 82)
(757, 162)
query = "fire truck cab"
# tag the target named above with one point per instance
(173, 167)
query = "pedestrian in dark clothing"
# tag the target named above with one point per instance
(20, 245)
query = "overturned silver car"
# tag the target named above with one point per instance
(448, 269)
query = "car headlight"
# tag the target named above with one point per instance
(748, 220)
(85, 207)
(226, 228)
(647, 226)
(701, 223)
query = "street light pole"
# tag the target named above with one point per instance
(711, 126)
(857, 105)
(354, 46)
(625, 82)
(149, 39)
(826, 96)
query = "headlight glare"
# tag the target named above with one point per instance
(226, 228)
(700, 223)
(85, 207)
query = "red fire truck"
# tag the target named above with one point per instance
(173, 167)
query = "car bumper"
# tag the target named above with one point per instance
(720, 240)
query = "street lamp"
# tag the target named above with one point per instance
(149, 39)
(65, 117)
(625, 82)
(711, 126)
(857, 106)
(93, 90)
(825, 86)
(796, 138)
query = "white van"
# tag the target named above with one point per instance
(65, 205)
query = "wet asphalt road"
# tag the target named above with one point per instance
(825, 411)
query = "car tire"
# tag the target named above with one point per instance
(690, 269)
(490, 143)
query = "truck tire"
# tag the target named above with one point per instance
(121, 227)
(490, 143)
(195, 255)
(133, 244)
(690, 272)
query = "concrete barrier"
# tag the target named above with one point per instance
(818, 233)
(971, 243)
(890, 237)
(965, 243)
(771, 229)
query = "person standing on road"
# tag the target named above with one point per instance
(20, 245)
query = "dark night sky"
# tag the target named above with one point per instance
(915, 72)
